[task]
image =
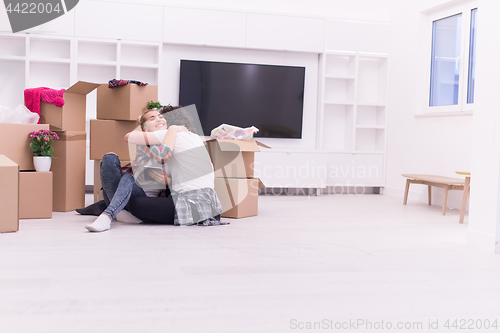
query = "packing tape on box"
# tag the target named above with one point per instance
(65, 136)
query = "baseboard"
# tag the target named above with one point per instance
(482, 241)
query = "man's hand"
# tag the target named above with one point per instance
(159, 177)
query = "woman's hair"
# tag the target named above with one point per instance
(142, 119)
(177, 115)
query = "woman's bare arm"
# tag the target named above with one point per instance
(142, 138)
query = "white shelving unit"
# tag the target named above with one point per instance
(352, 126)
(59, 61)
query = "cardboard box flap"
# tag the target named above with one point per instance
(54, 128)
(237, 145)
(82, 88)
(5, 161)
(262, 145)
(71, 135)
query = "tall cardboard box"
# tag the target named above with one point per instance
(233, 158)
(9, 195)
(238, 196)
(68, 169)
(107, 136)
(35, 195)
(71, 116)
(124, 103)
(15, 143)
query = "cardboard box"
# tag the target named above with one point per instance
(9, 195)
(124, 103)
(97, 179)
(71, 116)
(107, 136)
(15, 143)
(35, 195)
(238, 196)
(69, 171)
(233, 158)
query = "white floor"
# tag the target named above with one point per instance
(303, 260)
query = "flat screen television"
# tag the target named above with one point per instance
(268, 97)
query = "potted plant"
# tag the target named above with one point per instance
(41, 144)
(153, 105)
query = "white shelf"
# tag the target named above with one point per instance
(49, 48)
(96, 73)
(97, 52)
(370, 104)
(48, 74)
(370, 152)
(12, 94)
(370, 139)
(148, 75)
(371, 126)
(12, 46)
(354, 115)
(12, 58)
(49, 61)
(98, 63)
(339, 77)
(145, 55)
(137, 65)
(332, 102)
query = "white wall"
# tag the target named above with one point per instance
(429, 145)
(484, 223)
(372, 10)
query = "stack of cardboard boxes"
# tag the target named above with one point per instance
(235, 184)
(117, 112)
(68, 166)
(9, 195)
(62, 189)
(31, 190)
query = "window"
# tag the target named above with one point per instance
(451, 35)
(445, 61)
(472, 57)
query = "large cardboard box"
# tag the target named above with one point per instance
(124, 103)
(15, 143)
(71, 116)
(35, 195)
(238, 196)
(68, 169)
(97, 179)
(233, 158)
(107, 136)
(9, 195)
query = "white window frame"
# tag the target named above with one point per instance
(427, 19)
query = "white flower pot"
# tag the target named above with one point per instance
(42, 163)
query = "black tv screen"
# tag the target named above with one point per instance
(268, 97)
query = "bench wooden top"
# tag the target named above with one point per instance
(436, 179)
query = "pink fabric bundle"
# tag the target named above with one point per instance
(33, 96)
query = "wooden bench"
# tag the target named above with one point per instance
(447, 183)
